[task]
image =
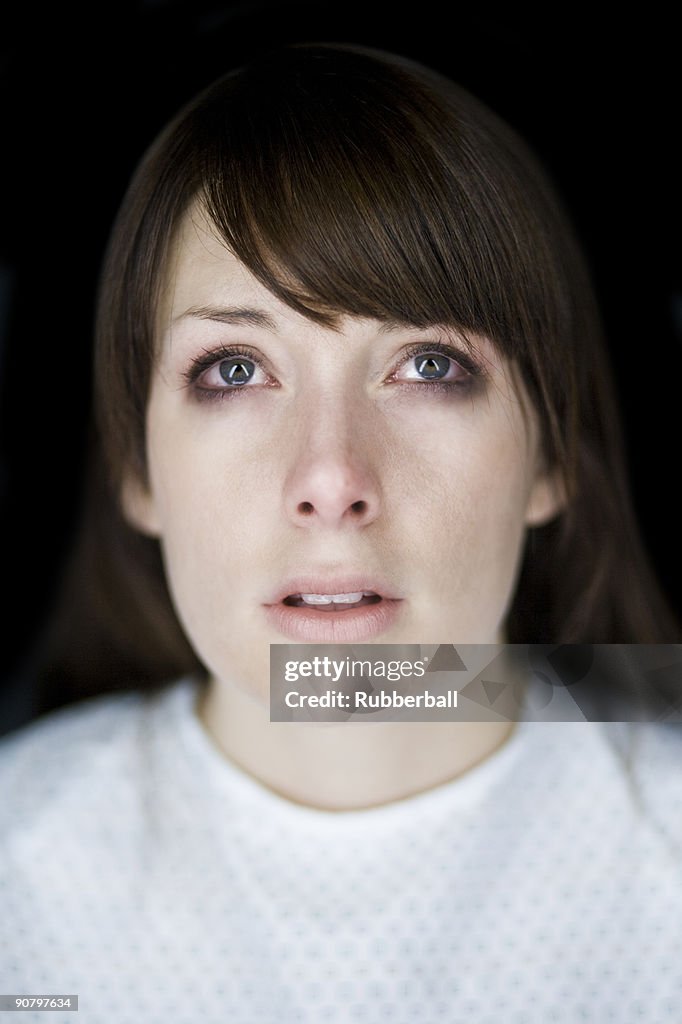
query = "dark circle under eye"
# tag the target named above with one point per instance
(237, 370)
(432, 366)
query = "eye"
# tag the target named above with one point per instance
(437, 365)
(431, 366)
(223, 372)
(236, 370)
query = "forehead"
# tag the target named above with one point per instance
(200, 269)
(202, 273)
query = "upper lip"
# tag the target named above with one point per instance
(316, 583)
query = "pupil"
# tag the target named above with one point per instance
(433, 366)
(236, 371)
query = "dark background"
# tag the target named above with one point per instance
(85, 91)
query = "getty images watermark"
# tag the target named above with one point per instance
(475, 682)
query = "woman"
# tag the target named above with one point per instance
(350, 389)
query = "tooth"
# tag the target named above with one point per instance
(329, 598)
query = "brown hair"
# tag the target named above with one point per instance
(350, 181)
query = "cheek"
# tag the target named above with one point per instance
(470, 462)
(202, 468)
(208, 513)
(467, 492)
(211, 518)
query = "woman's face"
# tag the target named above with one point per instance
(290, 463)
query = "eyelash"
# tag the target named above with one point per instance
(212, 357)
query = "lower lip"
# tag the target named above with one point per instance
(308, 625)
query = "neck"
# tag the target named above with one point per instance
(342, 766)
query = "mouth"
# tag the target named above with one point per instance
(340, 611)
(333, 602)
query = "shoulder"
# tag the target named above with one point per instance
(657, 757)
(58, 765)
(652, 762)
(64, 737)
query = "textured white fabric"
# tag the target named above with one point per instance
(144, 872)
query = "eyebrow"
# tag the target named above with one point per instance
(392, 326)
(237, 315)
(245, 315)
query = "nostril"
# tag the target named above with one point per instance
(308, 508)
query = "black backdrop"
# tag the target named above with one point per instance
(85, 91)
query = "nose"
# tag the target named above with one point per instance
(332, 482)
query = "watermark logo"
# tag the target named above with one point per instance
(475, 682)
